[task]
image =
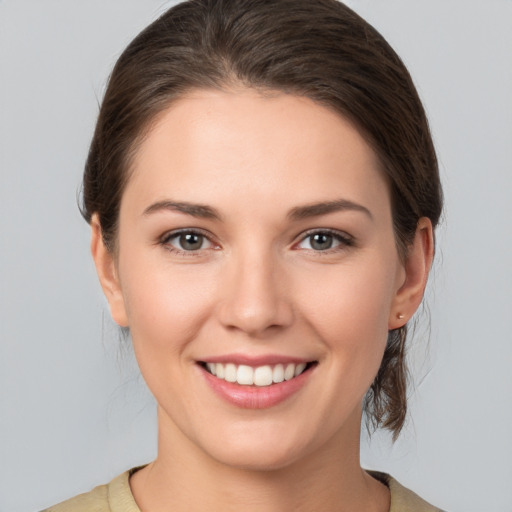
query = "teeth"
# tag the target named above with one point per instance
(259, 376)
(219, 370)
(278, 373)
(230, 373)
(245, 375)
(263, 376)
(299, 369)
(289, 372)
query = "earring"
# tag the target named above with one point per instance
(399, 316)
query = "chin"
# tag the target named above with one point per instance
(258, 449)
(256, 458)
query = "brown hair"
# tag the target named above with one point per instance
(318, 49)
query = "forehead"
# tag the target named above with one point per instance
(212, 145)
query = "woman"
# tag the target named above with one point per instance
(262, 190)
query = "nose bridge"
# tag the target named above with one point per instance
(255, 297)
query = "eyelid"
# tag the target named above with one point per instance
(345, 240)
(169, 235)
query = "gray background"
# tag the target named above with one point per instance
(73, 410)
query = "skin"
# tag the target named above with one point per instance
(257, 286)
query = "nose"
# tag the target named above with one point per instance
(255, 298)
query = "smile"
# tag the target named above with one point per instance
(265, 375)
(256, 382)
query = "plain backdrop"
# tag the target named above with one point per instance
(73, 411)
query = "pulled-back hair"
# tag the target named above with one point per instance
(318, 49)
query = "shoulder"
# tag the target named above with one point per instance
(402, 499)
(113, 497)
(93, 501)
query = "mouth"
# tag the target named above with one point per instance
(257, 376)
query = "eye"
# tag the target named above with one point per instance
(187, 241)
(324, 241)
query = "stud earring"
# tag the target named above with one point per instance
(399, 316)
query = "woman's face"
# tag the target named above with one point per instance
(256, 238)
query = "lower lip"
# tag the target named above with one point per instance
(255, 397)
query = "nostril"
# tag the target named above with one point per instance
(255, 317)
(253, 298)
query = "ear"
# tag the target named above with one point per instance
(417, 267)
(107, 274)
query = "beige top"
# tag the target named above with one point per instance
(117, 497)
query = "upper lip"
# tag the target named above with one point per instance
(262, 360)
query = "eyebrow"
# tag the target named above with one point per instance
(196, 210)
(297, 213)
(323, 208)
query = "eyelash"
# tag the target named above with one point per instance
(344, 241)
(165, 241)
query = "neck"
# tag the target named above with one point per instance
(185, 478)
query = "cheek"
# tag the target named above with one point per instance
(166, 312)
(350, 313)
(166, 305)
(357, 298)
